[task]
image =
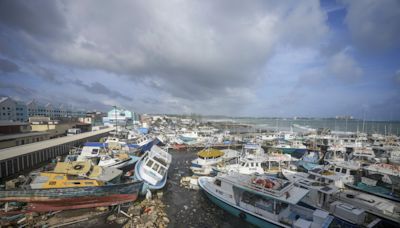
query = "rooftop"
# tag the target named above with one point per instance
(21, 135)
(32, 147)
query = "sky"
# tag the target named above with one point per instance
(236, 58)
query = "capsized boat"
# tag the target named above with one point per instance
(86, 169)
(263, 201)
(153, 168)
(71, 185)
(110, 154)
(77, 196)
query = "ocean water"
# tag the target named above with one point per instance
(351, 125)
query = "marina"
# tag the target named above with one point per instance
(248, 178)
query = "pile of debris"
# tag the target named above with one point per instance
(190, 182)
(146, 214)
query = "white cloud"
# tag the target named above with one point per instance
(344, 67)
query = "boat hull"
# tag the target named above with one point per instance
(257, 221)
(375, 190)
(147, 185)
(42, 200)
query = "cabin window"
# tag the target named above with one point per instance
(155, 167)
(331, 168)
(353, 172)
(242, 164)
(95, 151)
(149, 163)
(88, 183)
(252, 164)
(247, 165)
(344, 170)
(162, 171)
(217, 182)
(76, 183)
(312, 177)
(52, 183)
(337, 170)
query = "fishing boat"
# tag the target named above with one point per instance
(86, 169)
(144, 143)
(348, 205)
(270, 163)
(152, 168)
(291, 147)
(71, 185)
(70, 197)
(109, 154)
(379, 179)
(263, 201)
(206, 159)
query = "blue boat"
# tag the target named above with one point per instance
(152, 168)
(263, 201)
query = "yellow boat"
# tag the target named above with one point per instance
(76, 174)
(47, 180)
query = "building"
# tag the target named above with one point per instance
(14, 160)
(118, 116)
(7, 109)
(12, 140)
(21, 111)
(18, 133)
(93, 118)
(54, 128)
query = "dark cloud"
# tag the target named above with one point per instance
(98, 88)
(374, 25)
(41, 18)
(6, 66)
(46, 74)
(18, 89)
(188, 54)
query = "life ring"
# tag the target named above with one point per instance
(242, 215)
(78, 167)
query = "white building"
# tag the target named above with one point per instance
(7, 109)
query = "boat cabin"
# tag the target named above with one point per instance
(46, 180)
(157, 163)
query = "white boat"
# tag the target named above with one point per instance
(206, 159)
(209, 158)
(263, 201)
(153, 168)
(245, 166)
(252, 150)
(109, 154)
(340, 203)
(271, 163)
(144, 142)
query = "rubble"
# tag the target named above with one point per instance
(148, 213)
(189, 182)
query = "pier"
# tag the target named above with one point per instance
(22, 158)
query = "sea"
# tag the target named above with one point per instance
(335, 125)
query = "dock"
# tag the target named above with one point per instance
(25, 157)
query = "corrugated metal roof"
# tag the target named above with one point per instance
(32, 147)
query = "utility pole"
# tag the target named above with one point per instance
(116, 120)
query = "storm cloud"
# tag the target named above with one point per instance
(209, 57)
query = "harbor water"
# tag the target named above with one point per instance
(192, 208)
